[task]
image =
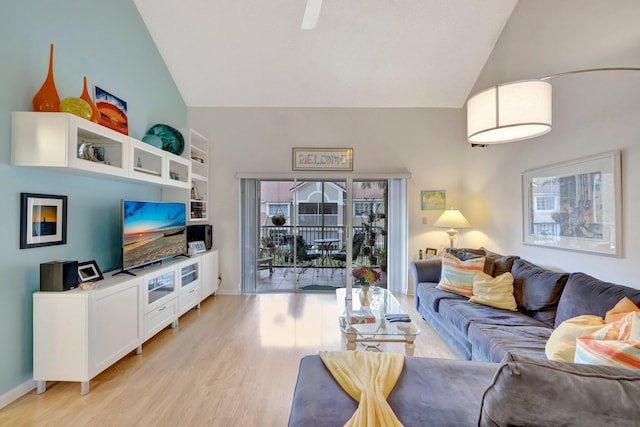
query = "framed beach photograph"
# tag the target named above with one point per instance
(322, 159)
(575, 205)
(113, 111)
(89, 271)
(433, 200)
(43, 220)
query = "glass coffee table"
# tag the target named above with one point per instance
(387, 321)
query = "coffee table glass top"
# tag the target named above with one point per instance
(382, 303)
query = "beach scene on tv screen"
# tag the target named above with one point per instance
(152, 231)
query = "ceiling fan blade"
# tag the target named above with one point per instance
(311, 14)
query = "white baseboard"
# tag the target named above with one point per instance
(16, 393)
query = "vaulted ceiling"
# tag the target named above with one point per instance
(362, 53)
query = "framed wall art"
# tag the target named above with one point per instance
(433, 200)
(43, 220)
(113, 111)
(322, 159)
(575, 205)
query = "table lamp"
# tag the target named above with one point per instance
(452, 219)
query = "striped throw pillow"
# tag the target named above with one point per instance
(457, 276)
(561, 345)
(616, 344)
(621, 309)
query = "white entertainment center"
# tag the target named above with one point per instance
(79, 333)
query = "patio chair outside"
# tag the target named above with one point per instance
(304, 259)
(341, 257)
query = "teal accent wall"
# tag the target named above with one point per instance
(108, 42)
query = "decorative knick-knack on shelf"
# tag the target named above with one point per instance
(76, 106)
(95, 113)
(47, 99)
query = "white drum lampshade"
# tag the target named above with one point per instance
(509, 112)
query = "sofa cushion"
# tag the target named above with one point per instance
(585, 294)
(460, 314)
(464, 254)
(562, 342)
(537, 290)
(616, 344)
(496, 264)
(494, 291)
(493, 342)
(430, 296)
(457, 275)
(537, 392)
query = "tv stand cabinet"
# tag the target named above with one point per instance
(77, 334)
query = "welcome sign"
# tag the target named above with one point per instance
(327, 159)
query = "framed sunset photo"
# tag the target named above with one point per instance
(43, 220)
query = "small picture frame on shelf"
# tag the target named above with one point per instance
(88, 271)
(431, 252)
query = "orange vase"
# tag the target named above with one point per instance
(47, 99)
(95, 113)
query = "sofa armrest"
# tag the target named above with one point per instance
(426, 270)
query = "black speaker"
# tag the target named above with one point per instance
(58, 276)
(203, 233)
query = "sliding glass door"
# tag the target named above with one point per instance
(297, 235)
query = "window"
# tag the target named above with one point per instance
(313, 213)
(278, 208)
(546, 203)
(360, 207)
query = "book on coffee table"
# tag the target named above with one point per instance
(357, 317)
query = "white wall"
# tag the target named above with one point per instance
(427, 142)
(593, 113)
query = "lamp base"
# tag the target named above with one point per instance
(451, 232)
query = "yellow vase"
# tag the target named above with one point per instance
(47, 99)
(76, 106)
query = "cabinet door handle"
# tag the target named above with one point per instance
(192, 291)
(162, 308)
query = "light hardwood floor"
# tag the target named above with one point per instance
(232, 363)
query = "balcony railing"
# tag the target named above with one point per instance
(325, 240)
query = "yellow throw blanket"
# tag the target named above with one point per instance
(368, 378)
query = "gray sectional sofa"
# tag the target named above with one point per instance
(545, 299)
(522, 389)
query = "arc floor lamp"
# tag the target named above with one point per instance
(515, 111)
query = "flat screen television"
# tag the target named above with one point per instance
(152, 231)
